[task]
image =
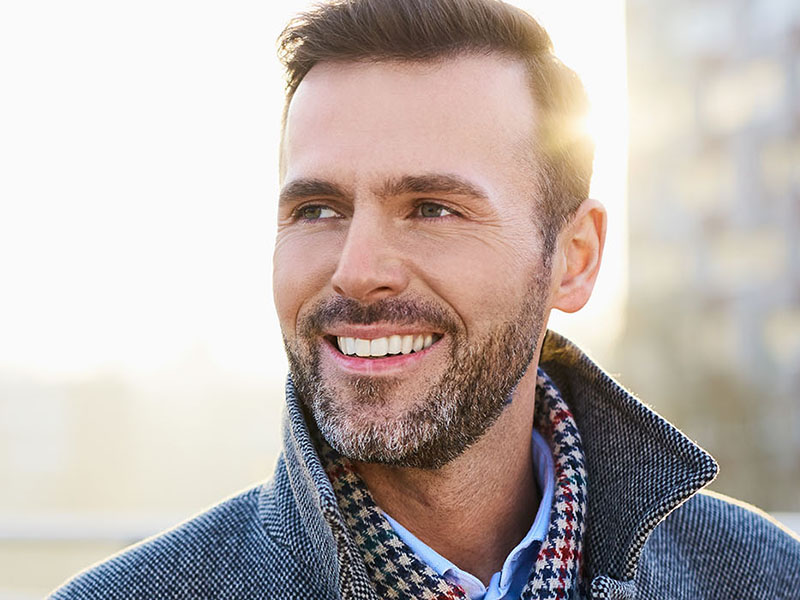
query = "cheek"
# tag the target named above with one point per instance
(482, 279)
(300, 274)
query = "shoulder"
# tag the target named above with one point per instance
(714, 546)
(227, 551)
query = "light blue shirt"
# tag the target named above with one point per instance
(509, 582)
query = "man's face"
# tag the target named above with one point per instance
(409, 276)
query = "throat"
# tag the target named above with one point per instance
(473, 516)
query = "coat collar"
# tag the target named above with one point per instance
(640, 468)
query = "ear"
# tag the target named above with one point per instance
(578, 255)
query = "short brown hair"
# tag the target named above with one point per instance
(425, 30)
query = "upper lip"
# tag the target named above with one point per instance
(372, 332)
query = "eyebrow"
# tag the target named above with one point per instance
(434, 183)
(306, 188)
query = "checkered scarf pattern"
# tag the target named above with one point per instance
(396, 572)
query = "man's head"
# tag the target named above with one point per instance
(561, 152)
(413, 212)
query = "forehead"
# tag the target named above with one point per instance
(468, 113)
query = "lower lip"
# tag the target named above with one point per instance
(388, 365)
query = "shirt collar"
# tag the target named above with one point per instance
(519, 559)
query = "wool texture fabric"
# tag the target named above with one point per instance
(651, 534)
(397, 572)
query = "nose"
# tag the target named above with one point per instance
(370, 267)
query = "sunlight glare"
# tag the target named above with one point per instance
(589, 37)
(144, 180)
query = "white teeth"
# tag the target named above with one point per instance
(362, 347)
(393, 344)
(379, 347)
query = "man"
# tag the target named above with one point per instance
(438, 441)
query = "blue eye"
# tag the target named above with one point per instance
(431, 210)
(316, 212)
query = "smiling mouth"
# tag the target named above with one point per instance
(384, 346)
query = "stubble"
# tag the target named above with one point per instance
(454, 411)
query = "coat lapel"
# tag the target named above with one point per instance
(639, 466)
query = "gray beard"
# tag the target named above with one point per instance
(454, 413)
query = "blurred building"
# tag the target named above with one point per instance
(713, 329)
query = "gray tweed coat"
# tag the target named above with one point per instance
(650, 534)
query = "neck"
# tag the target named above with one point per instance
(476, 509)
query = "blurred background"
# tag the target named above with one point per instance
(141, 369)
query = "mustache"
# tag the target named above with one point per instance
(340, 310)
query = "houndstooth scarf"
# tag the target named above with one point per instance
(396, 572)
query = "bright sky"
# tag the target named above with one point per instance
(138, 180)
